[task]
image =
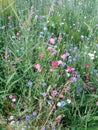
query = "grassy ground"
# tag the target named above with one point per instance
(49, 65)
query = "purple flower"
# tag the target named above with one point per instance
(54, 93)
(34, 113)
(19, 119)
(11, 96)
(43, 128)
(44, 94)
(74, 79)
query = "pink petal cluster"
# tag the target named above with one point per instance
(51, 70)
(61, 96)
(70, 69)
(41, 55)
(37, 66)
(60, 62)
(49, 48)
(52, 41)
(54, 63)
(64, 56)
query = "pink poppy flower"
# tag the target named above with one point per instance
(70, 69)
(37, 66)
(60, 62)
(64, 56)
(49, 48)
(54, 107)
(59, 117)
(61, 96)
(51, 70)
(52, 41)
(54, 63)
(41, 55)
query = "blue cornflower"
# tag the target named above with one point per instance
(71, 45)
(63, 64)
(22, 48)
(70, 60)
(27, 118)
(79, 88)
(44, 94)
(95, 70)
(29, 83)
(33, 117)
(63, 103)
(96, 45)
(74, 59)
(53, 128)
(75, 48)
(44, 84)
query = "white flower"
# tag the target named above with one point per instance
(69, 101)
(14, 100)
(68, 74)
(11, 118)
(91, 55)
(12, 122)
(82, 37)
(59, 104)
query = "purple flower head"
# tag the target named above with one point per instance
(43, 128)
(11, 96)
(54, 93)
(44, 94)
(19, 119)
(34, 113)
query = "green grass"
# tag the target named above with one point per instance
(65, 84)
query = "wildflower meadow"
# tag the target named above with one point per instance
(48, 64)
